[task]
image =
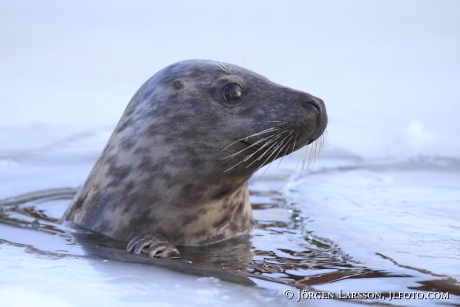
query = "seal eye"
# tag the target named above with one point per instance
(232, 92)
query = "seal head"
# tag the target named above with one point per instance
(178, 162)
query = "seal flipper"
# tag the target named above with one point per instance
(154, 245)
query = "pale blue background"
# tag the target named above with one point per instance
(389, 71)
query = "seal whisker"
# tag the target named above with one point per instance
(315, 154)
(272, 121)
(259, 133)
(270, 148)
(282, 141)
(263, 164)
(252, 145)
(274, 150)
(295, 139)
(312, 155)
(287, 147)
(325, 135)
(250, 156)
(257, 142)
(265, 144)
(225, 69)
(218, 63)
(320, 146)
(269, 151)
(307, 157)
(244, 60)
(316, 151)
(235, 165)
(303, 159)
(262, 147)
(255, 134)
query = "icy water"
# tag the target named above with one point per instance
(383, 227)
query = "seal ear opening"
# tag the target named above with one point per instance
(178, 84)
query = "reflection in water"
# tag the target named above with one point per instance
(279, 250)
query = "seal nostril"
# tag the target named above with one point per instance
(311, 103)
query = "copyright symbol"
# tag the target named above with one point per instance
(289, 294)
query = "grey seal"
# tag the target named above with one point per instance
(175, 169)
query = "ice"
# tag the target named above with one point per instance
(28, 280)
(406, 212)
